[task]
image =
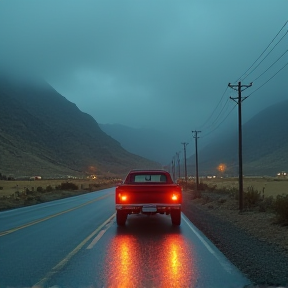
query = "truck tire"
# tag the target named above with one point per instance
(121, 217)
(176, 217)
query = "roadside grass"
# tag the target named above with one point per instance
(271, 186)
(254, 199)
(10, 187)
(15, 194)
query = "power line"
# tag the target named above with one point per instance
(270, 66)
(268, 80)
(205, 135)
(262, 52)
(265, 56)
(214, 109)
(220, 113)
(215, 122)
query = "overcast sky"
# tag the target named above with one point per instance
(151, 63)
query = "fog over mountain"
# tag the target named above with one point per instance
(42, 133)
(162, 65)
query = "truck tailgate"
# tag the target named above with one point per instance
(138, 194)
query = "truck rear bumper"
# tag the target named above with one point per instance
(148, 208)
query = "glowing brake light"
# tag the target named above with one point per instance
(122, 197)
(174, 197)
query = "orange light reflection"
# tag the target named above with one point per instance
(178, 269)
(123, 263)
(164, 263)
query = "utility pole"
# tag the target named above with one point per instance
(195, 135)
(173, 168)
(240, 88)
(178, 163)
(185, 165)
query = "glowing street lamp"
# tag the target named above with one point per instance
(221, 167)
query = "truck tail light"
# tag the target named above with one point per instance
(122, 197)
(174, 197)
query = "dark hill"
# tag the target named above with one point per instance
(41, 132)
(265, 146)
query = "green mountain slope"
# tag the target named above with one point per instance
(42, 133)
(265, 146)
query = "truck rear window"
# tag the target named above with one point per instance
(155, 178)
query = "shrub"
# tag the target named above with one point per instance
(251, 197)
(204, 187)
(281, 208)
(1, 188)
(222, 200)
(95, 185)
(232, 191)
(49, 188)
(266, 204)
(196, 194)
(212, 188)
(28, 191)
(191, 185)
(206, 199)
(40, 189)
(67, 186)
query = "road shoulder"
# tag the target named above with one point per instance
(261, 258)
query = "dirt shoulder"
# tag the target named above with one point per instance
(251, 239)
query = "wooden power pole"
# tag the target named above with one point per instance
(185, 164)
(240, 88)
(195, 135)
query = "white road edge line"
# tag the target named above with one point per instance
(96, 239)
(224, 263)
(99, 236)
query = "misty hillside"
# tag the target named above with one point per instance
(148, 143)
(265, 146)
(41, 132)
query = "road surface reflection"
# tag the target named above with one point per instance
(177, 267)
(153, 260)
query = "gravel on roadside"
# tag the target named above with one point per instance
(263, 263)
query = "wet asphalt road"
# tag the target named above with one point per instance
(75, 242)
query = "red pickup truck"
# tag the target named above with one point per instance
(148, 192)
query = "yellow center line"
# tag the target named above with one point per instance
(63, 262)
(51, 216)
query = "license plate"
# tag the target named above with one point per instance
(150, 208)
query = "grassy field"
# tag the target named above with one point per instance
(270, 186)
(10, 187)
(16, 194)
